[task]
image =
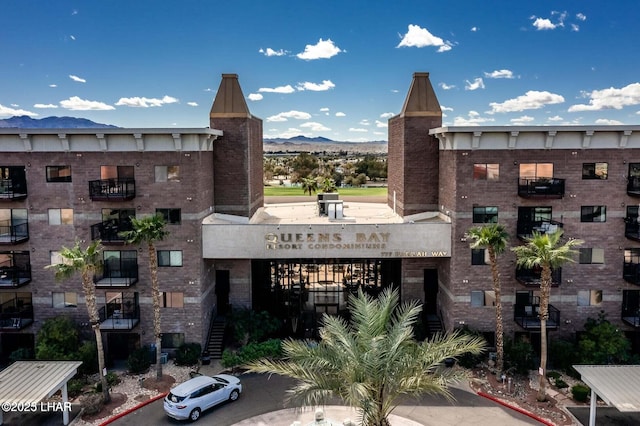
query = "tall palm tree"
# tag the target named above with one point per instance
(546, 252)
(309, 185)
(150, 229)
(493, 238)
(371, 361)
(87, 262)
(328, 185)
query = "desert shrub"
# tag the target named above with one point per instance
(74, 387)
(603, 343)
(561, 384)
(518, 356)
(469, 360)
(251, 326)
(88, 354)
(563, 354)
(92, 403)
(188, 354)
(112, 380)
(271, 348)
(57, 339)
(138, 361)
(580, 392)
(553, 375)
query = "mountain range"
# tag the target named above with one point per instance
(26, 122)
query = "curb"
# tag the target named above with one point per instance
(515, 408)
(132, 409)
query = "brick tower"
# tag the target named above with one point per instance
(413, 153)
(237, 155)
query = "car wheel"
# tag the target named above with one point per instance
(234, 395)
(194, 415)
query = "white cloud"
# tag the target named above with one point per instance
(364, 122)
(575, 27)
(355, 129)
(473, 119)
(476, 84)
(315, 127)
(522, 120)
(45, 106)
(340, 114)
(284, 116)
(193, 104)
(445, 86)
(53, 85)
(387, 115)
(544, 24)
(381, 124)
(270, 52)
(324, 109)
(610, 98)
(555, 118)
(280, 89)
(581, 17)
(76, 78)
(255, 97)
(474, 29)
(142, 102)
(608, 122)
(421, 37)
(74, 103)
(10, 112)
(324, 49)
(315, 87)
(530, 100)
(499, 74)
(444, 108)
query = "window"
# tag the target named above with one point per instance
(172, 300)
(591, 255)
(169, 257)
(60, 216)
(64, 299)
(116, 172)
(479, 257)
(589, 297)
(167, 173)
(483, 298)
(486, 171)
(595, 170)
(58, 173)
(593, 214)
(536, 171)
(172, 340)
(171, 216)
(485, 215)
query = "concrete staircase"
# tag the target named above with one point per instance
(215, 345)
(434, 325)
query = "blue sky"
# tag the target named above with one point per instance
(333, 68)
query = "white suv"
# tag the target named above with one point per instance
(189, 399)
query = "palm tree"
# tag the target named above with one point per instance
(544, 251)
(371, 361)
(309, 185)
(88, 262)
(150, 229)
(328, 185)
(494, 239)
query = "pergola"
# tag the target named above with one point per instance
(617, 385)
(29, 382)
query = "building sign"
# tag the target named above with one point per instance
(234, 241)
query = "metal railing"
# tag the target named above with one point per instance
(13, 232)
(108, 231)
(541, 187)
(112, 189)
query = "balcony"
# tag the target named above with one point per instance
(631, 307)
(15, 269)
(14, 188)
(525, 229)
(16, 313)
(532, 277)
(112, 189)
(633, 186)
(120, 313)
(108, 231)
(631, 272)
(541, 187)
(527, 316)
(14, 231)
(118, 271)
(632, 228)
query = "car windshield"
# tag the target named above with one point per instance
(175, 398)
(221, 380)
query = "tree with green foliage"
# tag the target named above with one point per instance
(328, 185)
(304, 165)
(150, 229)
(547, 252)
(372, 361)
(603, 343)
(493, 238)
(309, 185)
(86, 262)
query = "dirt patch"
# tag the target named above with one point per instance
(520, 394)
(161, 385)
(117, 399)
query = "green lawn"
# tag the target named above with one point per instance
(285, 191)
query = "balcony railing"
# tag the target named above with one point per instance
(633, 186)
(526, 229)
(631, 273)
(541, 188)
(16, 314)
(120, 314)
(118, 273)
(631, 316)
(13, 189)
(632, 228)
(14, 232)
(16, 271)
(112, 189)
(108, 231)
(528, 316)
(532, 277)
